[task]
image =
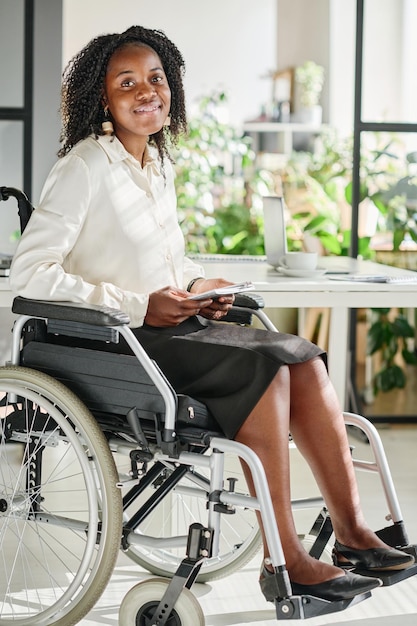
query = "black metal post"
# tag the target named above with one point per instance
(28, 97)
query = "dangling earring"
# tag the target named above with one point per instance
(167, 121)
(107, 125)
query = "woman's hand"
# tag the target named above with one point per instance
(171, 306)
(215, 309)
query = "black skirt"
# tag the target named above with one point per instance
(227, 367)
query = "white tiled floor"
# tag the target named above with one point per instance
(237, 600)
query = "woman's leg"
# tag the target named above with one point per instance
(318, 429)
(266, 432)
(301, 400)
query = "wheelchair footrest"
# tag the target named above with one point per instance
(392, 576)
(389, 578)
(304, 607)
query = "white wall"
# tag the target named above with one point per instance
(303, 35)
(226, 44)
(341, 71)
(409, 55)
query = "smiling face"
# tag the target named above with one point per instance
(137, 94)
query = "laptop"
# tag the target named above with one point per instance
(275, 238)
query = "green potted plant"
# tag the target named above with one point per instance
(219, 188)
(309, 79)
(388, 336)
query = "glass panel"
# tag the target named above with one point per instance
(388, 211)
(11, 53)
(11, 168)
(389, 52)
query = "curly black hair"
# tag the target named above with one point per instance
(83, 81)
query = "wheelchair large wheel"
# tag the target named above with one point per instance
(139, 604)
(60, 505)
(159, 543)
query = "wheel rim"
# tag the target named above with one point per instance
(51, 490)
(147, 611)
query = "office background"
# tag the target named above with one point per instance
(230, 46)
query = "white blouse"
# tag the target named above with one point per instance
(105, 232)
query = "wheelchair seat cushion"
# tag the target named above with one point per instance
(112, 384)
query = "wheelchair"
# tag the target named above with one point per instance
(98, 453)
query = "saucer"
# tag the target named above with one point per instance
(301, 273)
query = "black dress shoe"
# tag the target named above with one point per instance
(373, 559)
(336, 589)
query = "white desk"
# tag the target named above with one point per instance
(281, 292)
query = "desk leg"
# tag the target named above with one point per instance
(287, 142)
(338, 352)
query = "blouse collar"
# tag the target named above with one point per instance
(116, 152)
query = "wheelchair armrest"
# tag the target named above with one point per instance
(243, 305)
(70, 311)
(249, 300)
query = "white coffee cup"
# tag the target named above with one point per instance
(299, 261)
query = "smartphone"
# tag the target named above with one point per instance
(228, 290)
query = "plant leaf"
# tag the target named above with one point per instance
(330, 242)
(315, 223)
(390, 378)
(375, 338)
(409, 357)
(399, 377)
(398, 237)
(381, 311)
(401, 327)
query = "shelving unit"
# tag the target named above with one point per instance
(284, 134)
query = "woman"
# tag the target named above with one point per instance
(106, 233)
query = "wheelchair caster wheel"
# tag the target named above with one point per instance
(139, 605)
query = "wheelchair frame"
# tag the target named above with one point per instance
(65, 418)
(203, 538)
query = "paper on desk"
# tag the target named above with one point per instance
(375, 278)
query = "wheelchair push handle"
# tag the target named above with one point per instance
(25, 208)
